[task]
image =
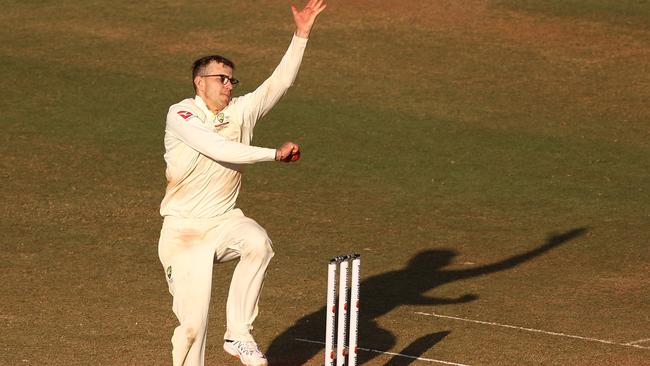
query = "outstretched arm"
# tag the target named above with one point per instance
(258, 103)
(552, 242)
(305, 18)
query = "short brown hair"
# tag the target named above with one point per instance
(198, 67)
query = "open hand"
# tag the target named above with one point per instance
(305, 18)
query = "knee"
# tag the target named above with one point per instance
(189, 332)
(259, 245)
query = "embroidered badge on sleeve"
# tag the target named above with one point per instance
(185, 114)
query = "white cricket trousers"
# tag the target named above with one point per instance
(187, 250)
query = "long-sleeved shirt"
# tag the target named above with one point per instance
(206, 153)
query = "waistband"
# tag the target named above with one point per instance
(186, 221)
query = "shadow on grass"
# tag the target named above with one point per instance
(417, 348)
(385, 292)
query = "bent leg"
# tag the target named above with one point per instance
(246, 239)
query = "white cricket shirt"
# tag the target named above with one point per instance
(206, 153)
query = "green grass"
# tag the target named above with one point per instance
(474, 129)
(628, 12)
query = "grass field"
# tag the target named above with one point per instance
(489, 160)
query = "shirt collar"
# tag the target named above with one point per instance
(201, 104)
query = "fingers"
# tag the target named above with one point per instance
(288, 152)
(319, 6)
(318, 10)
(306, 17)
(296, 156)
(313, 6)
(307, 6)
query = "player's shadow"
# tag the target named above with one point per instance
(416, 349)
(382, 293)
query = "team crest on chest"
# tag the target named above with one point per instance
(220, 121)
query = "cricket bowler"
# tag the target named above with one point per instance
(207, 145)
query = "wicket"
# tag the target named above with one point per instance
(335, 345)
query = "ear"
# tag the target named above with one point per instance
(199, 82)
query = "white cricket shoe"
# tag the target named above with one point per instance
(247, 352)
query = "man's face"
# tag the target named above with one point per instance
(211, 89)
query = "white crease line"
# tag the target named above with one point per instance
(631, 344)
(392, 354)
(635, 342)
